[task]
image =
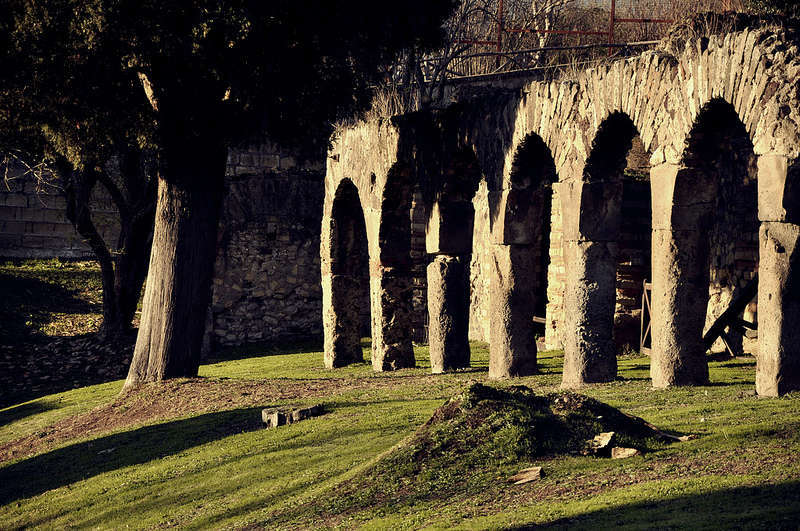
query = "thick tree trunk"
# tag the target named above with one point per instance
(178, 287)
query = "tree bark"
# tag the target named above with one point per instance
(178, 290)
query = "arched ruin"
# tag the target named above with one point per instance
(346, 294)
(720, 118)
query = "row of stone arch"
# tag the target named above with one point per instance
(720, 123)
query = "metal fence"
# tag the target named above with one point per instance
(615, 18)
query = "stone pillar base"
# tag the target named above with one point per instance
(589, 351)
(778, 363)
(392, 324)
(512, 346)
(341, 320)
(680, 303)
(448, 310)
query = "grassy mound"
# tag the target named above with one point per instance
(476, 439)
(506, 425)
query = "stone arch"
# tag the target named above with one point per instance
(346, 310)
(392, 279)
(520, 253)
(591, 243)
(448, 242)
(704, 241)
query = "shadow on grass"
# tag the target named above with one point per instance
(27, 304)
(21, 411)
(266, 348)
(744, 365)
(80, 461)
(763, 507)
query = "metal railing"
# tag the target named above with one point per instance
(613, 21)
(503, 51)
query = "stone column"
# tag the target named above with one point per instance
(591, 213)
(341, 320)
(391, 295)
(512, 342)
(778, 362)
(448, 312)
(680, 274)
(448, 240)
(516, 232)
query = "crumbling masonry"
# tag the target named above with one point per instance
(533, 206)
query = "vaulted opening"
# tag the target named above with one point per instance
(350, 274)
(620, 161)
(533, 173)
(722, 184)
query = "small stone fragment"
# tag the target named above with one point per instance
(622, 453)
(526, 475)
(273, 418)
(306, 413)
(601, 443)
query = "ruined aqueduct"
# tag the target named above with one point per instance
(524, 197)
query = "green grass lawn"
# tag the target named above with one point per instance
(193, 455)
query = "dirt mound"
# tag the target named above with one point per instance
(515, 423)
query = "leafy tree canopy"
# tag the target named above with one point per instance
(282, 66)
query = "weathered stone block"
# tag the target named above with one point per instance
(682, 198)
(281, 417)
(778, 189)
(591, 210)
(449, 228)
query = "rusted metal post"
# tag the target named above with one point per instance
(611, 26)
(499, 32)
(500, 26)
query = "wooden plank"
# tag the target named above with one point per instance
(731, 315)
(645, 320)
(748, 324)
(726, 341)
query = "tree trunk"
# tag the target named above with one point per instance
(136, 206)
(131, 269)
(78, 189)
(178, 290)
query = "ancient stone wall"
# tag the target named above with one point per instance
(599, 222)
(266, 277)
(33, 221)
